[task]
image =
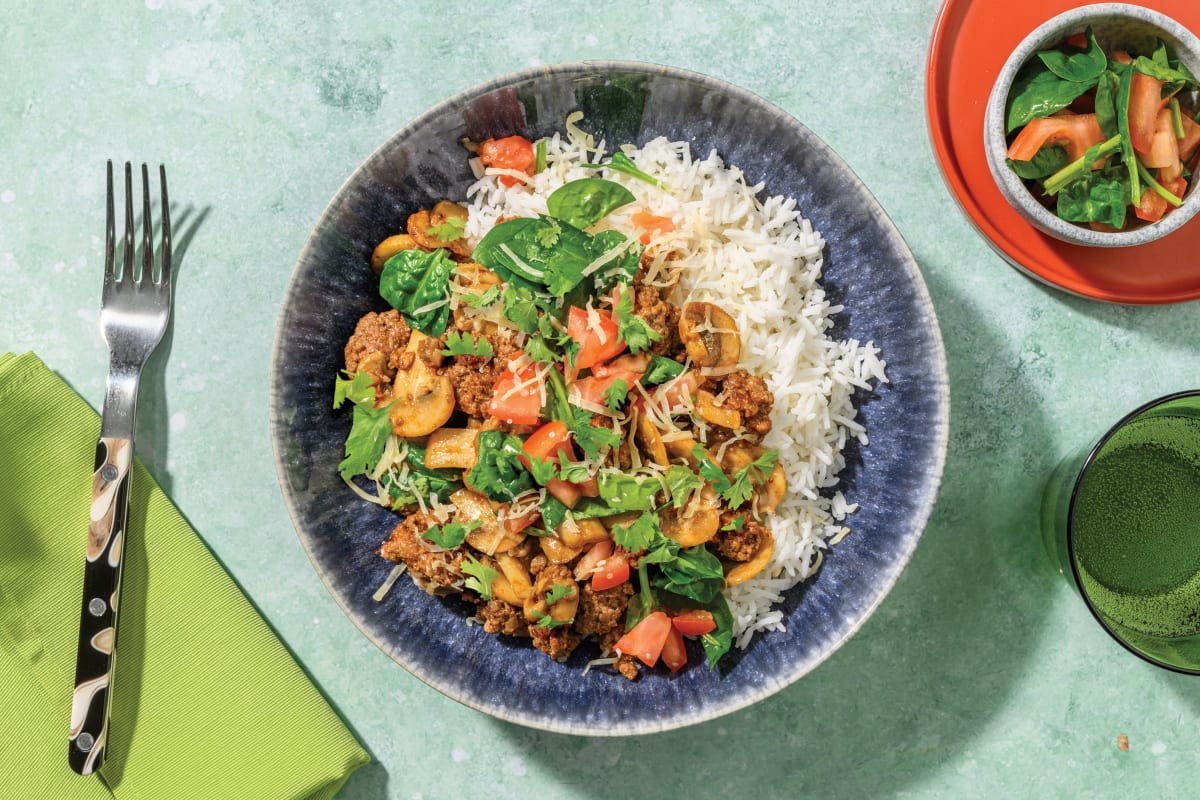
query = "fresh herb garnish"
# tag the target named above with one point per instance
(466, 344)
(632, 329)
(481, 576)
(450, 535)
(623, 163)
(735, 524)
(543, 471)
(558, 592)
(489, 296)
(417, 284)
(661, 370)
(539, 156)
(370, 426)
(592, 439)
(450, 230)
(638, 535)
(616, 394)
(710, 470)
(547, 621)
(753, 474)
(681, 483)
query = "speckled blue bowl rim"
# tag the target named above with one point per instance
(927, 474)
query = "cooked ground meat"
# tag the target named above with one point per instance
(404, 545)
(374, 336)
(602, 614)
(627, 665)
(748, 395)
(499, 617)
(558, 643)
(473, 378)
(740, 545)
(660, 315)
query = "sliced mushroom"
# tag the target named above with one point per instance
(502, 589)
(710, 335)
(421, 223)
(489, 536)
(681, 447)
(388, 248)
(561, 611)
(771, 494)
(696, 522)
(740, 573)
(709, 411)
(578, 534)
(452, 448)
(517, 576)
(556, 551)
(651, 441)
(423, 399)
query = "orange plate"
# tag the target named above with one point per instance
(971, 41)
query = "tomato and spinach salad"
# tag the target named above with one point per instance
(1098, 134)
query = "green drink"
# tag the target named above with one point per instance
(1124, 519)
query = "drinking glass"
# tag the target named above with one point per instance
(1121, 519)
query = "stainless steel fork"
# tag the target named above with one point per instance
(133, 316)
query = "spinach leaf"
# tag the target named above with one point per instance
(1160, 71)
(498, 471)
(1074, 64)
(510, 249)
(621, 269)
(415, 283)
(586, 201)
(1044, 163)
(1098, 197)
(694, 572)
(553, 513)
(420, 480)
(642, 603)
(1106, 103)
(628, 493)
(1038, 92)
(1082, 166)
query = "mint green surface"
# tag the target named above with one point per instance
(981, 675)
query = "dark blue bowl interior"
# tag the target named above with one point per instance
(868, 268)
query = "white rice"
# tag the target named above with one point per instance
(760, 260)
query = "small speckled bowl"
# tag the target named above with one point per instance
(868, 269)
(1117, 26)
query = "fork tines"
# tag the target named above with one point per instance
(147, 267)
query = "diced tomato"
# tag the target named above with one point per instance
(518, 524)
(1176, 186)
(1170, 174)
(652, 224)
(678, 391)
(1164, 147)
(598, 342)
(612, 571)
(1145, 101)
(548, 441)
(674, 652)
(1122, 57)
(590, 487)
(694, 622)
(1152, 207)
(521, 406)
(565, 492)
(647, 638)
(1191, 138)
(586, 566)
(511, 152)
(592, 389)
(1074, 132)
(1077, 40)
(626, 363)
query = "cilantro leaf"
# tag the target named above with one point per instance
(543, 471)
(754, 473)
(519, 308)
(463, 344)
(558, 592)
(498, 471)
(418, 285)
(450, 230)
(450, 535)
(639, 535)
(573, 473)
(489, 296)
(661, 370)
(632, 329)
(481, 576)
(735, 524)
(616, 394)
(681, 482)
(370, 427)
(547, 621)
(537, 349)
(710, 471)
(592, 439)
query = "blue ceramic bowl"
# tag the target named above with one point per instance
(868, 268)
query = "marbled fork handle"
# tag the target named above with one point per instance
(134, 312)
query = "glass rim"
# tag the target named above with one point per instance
(1087, 462)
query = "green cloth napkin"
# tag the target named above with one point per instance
(207, 702)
